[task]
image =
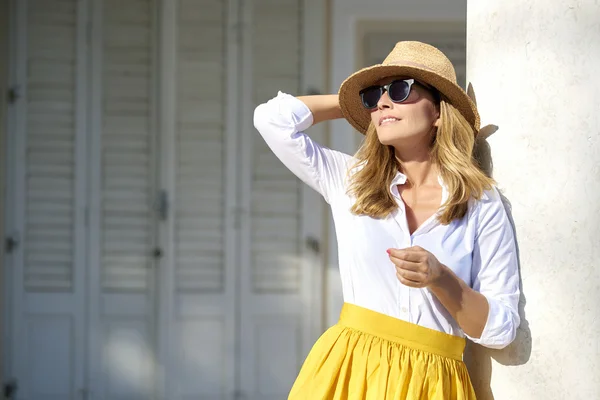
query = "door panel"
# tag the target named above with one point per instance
(128, 358)
(51, 367)
(45, 207)
(126, 134)
(276, 268)
(203, 314)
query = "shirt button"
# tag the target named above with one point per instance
(404, 310)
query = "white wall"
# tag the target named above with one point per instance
(347, 16)
(534, 66)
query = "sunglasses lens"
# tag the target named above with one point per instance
(399, 91)
(370, 97)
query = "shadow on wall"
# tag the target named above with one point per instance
(479, 358)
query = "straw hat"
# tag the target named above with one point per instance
(416, 60)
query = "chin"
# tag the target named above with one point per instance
(390, 139)
(387, 141)
(394, 137)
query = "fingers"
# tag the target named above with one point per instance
(414, 254)
(408, 265)
(405, 278)
(409, 275)
(411, 265)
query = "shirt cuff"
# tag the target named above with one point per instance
(301, 114)
(500, 327)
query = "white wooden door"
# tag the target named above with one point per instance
(123, 251)
(280, 258)
(45, 205)
(163, 250)
(199, 128)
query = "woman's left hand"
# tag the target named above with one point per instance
(416, 267)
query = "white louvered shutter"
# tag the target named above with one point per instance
(48, 320)
(274, 272)
(204, 288)
(127, 192)
(50, 146)
(200, 177)
(200, 147)
(275, 195)
(128, 188)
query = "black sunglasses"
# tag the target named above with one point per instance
(398, 91)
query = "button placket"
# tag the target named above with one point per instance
(404, 291)
(403, 296)
(409, 289)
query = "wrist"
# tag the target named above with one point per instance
(336, 110)
(323, 107)
(442, 278)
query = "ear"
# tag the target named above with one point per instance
(437, 113)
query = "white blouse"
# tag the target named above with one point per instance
(479, 248)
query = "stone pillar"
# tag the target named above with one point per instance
(535, 70)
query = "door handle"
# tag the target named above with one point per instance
(313, 244)
(10, 389)
(11, 243)
(157, 253)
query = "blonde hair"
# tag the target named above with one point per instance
(451, 151)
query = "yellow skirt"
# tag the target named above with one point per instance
(371, 356)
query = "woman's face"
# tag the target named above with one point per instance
(407, 122)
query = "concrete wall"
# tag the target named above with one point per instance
(534, 66)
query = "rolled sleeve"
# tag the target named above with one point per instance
(495, 273)
(281, 122)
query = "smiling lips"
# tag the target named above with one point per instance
(387, 119)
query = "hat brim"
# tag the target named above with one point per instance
(360, 118)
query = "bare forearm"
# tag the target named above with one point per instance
(323, 107)
(468, 307)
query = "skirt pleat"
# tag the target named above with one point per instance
(372, 356)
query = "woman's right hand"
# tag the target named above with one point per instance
(323, 107)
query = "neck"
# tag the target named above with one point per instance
(417, 165)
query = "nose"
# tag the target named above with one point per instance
(384, 101)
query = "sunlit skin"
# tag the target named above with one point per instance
(410, 125)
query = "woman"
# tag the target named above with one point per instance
(426, 251)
